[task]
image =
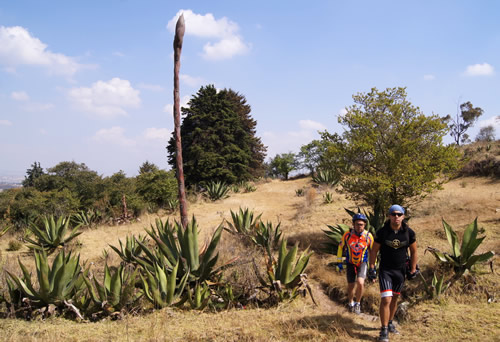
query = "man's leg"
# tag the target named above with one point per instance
(394, 305)
(360, 281)
(350, 292)
(360, 289)
(385, 311)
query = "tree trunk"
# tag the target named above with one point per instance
(179, 36)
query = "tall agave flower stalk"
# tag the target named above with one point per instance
(178, 39)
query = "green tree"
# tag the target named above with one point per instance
(466, 117)
(32, 174)
(147, 167)
(486, 134)
(218, 139)
(310, 155)
(157, 187)
(85, 184)
(282, 164)
(394, 152)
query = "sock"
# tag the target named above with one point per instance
(351, 304)
(357, 303)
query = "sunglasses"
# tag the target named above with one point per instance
(397, 214)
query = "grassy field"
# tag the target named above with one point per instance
(462, 314)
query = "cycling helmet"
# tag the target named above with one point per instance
(359, 216)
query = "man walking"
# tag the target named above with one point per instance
(393, 240)
(355, 243)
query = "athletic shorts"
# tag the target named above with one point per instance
(354, 271)
(391, 282)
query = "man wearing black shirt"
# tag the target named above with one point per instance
(393, 240)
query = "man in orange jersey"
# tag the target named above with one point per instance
(355, 245)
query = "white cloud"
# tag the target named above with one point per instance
(429, 77)
(5, 123)
(169, 108)
(311, 125)
(114, 135)
(479, 70)
(118, 54)
(19, 96)
(229, 43)
(106, 99)
(225, 48)
(493, 121)
(153, 133)
(37, 107)
(151, 87)
(19, 47)
(192, 81)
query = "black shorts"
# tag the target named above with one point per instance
(391, 281)
(353, 271)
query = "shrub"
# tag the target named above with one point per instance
(14, 245)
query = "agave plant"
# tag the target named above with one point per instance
(131, 250)
(172, 204)
(327, 177)
(4, 230)
(89, 218)
(217, 190)
(162, 287)
(57, 285)
(286, 275)
(461, 257)
(436, 288)
(327, 197)
(267, 236)
(243, 223)
(334, 235)
(249, 187)
(117, 290)
(299, 192)
(199, 263)
(198, 297)
(52, 233)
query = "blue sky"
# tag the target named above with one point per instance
(92, 81)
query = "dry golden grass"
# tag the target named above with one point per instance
(302, 220)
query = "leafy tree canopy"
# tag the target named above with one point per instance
(32, 174)
(282, 164)
(466, 117)
(486, 134)
(390, 151)
(218, 139)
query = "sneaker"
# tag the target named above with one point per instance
(384, 334)
(351, 307)
(357, 308)
(392, 328)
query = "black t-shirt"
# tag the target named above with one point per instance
(394, 245)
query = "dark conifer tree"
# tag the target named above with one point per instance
(218, 139)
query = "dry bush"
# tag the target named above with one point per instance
(311, 195)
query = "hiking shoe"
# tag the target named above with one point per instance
(392, 328)
(351, 307)
(384, 335)
(357, 308)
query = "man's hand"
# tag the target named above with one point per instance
(372, 274)
(413, 275)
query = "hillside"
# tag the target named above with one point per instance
(302, 219)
